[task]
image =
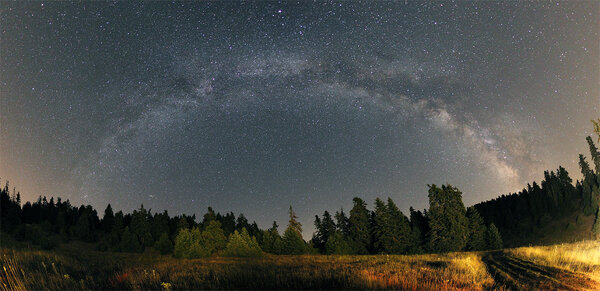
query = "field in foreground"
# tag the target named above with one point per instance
(573, 266)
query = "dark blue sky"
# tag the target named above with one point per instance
(250, 107)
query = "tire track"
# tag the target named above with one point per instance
(514, 273)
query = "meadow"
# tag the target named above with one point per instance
(76, 266)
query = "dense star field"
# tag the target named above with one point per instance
(251, 107)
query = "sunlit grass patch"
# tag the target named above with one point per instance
(581, 257)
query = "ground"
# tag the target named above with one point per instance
(75, 265)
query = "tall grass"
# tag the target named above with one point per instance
(583, 257)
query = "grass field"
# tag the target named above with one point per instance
(76, 266)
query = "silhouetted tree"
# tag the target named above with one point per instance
(493, 239)
(477, 230)
(359, 226)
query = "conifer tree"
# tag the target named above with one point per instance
(292, 241)
(140, 226)
(241, 244)
(493, 238)
(342, 223)
(271, 242)
(129, 242)
(359, 226)
(337, 244)
(213, 238)
(108, 220)
(164, 244)
(447, 221)
(477, 230)
(595, 154)
(382, 228)
(400, 229)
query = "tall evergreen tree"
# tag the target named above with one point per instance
(271, 242)
(140, 226)
(292, 241)
(595, 154)
(447, 220)
(342, 223)
(400, 229)
(493, 238)
(477, 230)
(108, 220)
(359, 226)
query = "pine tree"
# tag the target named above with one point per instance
(493, 239)
(447, 221)
(477, 230)
(359, 226)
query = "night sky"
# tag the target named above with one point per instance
(251, 107)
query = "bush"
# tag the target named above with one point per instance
(242, 245)
(164, 244)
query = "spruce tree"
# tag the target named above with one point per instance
(399, 228)
(493, 239)
(595, 154)
(449, 227)
(477, 231)
(359, 226)
(382, 228)
(271, 242)
(292, 241)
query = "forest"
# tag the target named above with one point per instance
(447, 225)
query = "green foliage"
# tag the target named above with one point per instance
(359, 226)
(477, 230)
(271, 242)
(293, 243)
(447, 221)
(242, 245)
(212, 238)
(338, 245)
(391, 229)
(188, 244)
(129, 242)
(140, 226)
(164, 244)
(492, 238)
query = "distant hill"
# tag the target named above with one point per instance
(555, 212)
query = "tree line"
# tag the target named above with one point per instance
(447, 225)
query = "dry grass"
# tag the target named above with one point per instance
(581, 257)
(76, 266)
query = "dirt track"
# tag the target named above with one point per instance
(517, 274)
